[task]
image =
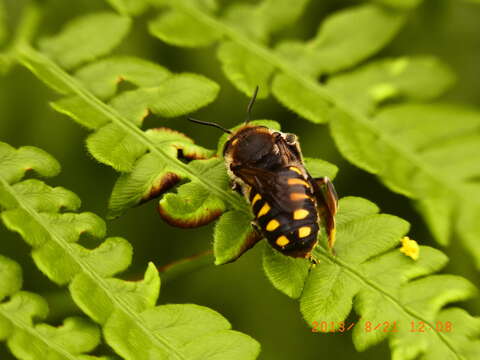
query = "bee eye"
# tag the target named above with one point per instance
(290, 139)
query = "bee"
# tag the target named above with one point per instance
(288, 204)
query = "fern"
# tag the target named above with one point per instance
(372, 275)
(129, 7)
(132, 325)
(28, 339)
(398, 144)
(148, 159)
(358, 271)
(383, 286)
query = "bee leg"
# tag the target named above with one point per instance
(314, 261)
(256, 226)
(327, 196)
(236, 187)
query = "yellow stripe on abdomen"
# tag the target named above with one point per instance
(264, 210)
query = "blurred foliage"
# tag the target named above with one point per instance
(20, 327)
(368, 106)
(132, 324)
(240, 291)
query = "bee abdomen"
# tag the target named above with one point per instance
(294, 230)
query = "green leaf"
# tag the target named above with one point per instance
(244, 69)
(74, 107)
(126, 310)
(83, 32)
(159, 92)
(176, 96)
(233, 234)
(25, 336)
(151, 163)
(152, 175)
(103, 77)
(287, 274)
(370, 274)
(345, 39)
(186, 327)
(14, 163)
(182, 30)
(123, 155)
(383, 285)
(297, 97)
(191, 206)
(266, 18)
(144, 157)
(129, 7)
(356, 269)
(320, 168)
(11, 275)
(444, 178)
(416, 78)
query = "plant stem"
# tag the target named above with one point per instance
(186, 265)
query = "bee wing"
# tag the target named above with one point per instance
(327, 201)
(272, 186)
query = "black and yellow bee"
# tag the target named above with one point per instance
(288, 204)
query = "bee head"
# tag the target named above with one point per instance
(249, 144)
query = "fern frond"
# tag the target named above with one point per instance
(353, 104)
(245, 58)
(147, 158)
(362, 273)
(83, 32)
(388, 290)
(132, 325)
(378, 234)
(20, 312)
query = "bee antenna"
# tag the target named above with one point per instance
(209, 124)
(250, 104)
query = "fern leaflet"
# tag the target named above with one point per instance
(132, 325)
(394, 143)
(28, 339)
(369, 274)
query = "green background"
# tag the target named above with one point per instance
(449, 29)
